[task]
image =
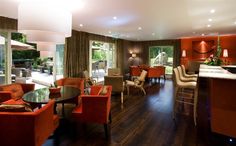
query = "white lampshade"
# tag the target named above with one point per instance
(225, 53)
(133, 55)
(44, 54)
(46, 47)
(42, 22)
(184, 53)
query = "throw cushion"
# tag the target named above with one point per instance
(15, 89)
(15, 108)
(103, 90)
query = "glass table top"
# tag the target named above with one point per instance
(43, 95)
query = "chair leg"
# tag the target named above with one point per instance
(121, 97)
(110, 117)
(174, 107)
(127, 90)
(144, 92)
(106, 130)
(195, 107)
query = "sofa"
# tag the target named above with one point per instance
(12, 93)
(28, 128)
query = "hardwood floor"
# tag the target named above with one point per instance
(141, 121)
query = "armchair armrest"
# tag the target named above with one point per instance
(5, 95)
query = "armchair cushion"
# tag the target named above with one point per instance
(15, 90)
(15, 108)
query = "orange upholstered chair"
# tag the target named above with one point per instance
(73, 82)
(134, 71)
(156, 72)
(12, 93)
(95, 108)
(28, 128)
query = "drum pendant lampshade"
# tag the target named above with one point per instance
(44, 22)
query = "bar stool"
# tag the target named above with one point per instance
(187, 75)
(185, 79)
(179, 85)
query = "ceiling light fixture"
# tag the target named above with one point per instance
(114, 17)
(203, 34)
(208, 25)
(210, 20)
(139, 28)
(109, 32)
(81, 25)
(212, 11)
(44, 26)
(235, 22)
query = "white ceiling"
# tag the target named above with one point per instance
(159, 19)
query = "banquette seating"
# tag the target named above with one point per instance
(30, 128)
(12, 93)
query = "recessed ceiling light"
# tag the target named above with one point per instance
(208, 25)
(139, 28)
(153, 34)
(203, 34)
(235, 22)
(210, 20)
(109, 32)
(114, 17)
(81, 25)
(212, 11)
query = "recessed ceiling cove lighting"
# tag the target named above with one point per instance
(212, 11)
(114, 17)
(208, 25)
(210, 20)
(81, 25)
(139, 28)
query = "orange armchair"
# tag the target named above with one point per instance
(12, 93)
(134, 71)
(73, 82)
(28, 128)
(95, 108)
(156, 72)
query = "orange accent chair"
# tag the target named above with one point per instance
(73, 82)
(134, 71)
(12, 93)
(28, 128)
(156, 72)
(95, 108)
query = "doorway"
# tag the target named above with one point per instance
(102, 56)
(162, 55)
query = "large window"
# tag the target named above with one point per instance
(162, 55)
(59, 61)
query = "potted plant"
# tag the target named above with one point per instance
(54, 88)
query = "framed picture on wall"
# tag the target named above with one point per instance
(203, 49)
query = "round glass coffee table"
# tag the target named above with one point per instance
(43, 95)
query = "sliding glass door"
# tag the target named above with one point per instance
(102, 56)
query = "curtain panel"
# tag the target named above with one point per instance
(77, 52)
(8, 24)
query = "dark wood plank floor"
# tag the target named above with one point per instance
(140, 121)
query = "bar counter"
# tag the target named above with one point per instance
(217, 100)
